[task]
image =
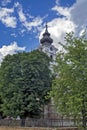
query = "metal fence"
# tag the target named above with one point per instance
(40, 122)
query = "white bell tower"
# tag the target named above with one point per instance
(46, 44)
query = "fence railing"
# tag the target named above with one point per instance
(40, 122)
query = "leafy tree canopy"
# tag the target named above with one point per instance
(69, 88)
(25, 80)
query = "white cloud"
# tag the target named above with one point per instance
(10, 49)
(61, 25)
(5, 2)
(68, 19)
(82, 32)
(6, 11)
(79, 14)
(13, 34)
(58, 28)
(1, 57)
(28, 21)
(57, 2)
(22, 16)
(7, 18)
(34, 23)
(65, 11)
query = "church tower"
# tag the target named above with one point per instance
(46, 44)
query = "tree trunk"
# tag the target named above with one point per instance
(83, 114)
(84, 119)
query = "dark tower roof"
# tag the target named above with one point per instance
(46, 40)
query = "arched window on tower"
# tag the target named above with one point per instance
(51, 48)
(51, 56)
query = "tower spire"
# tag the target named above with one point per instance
(46, 39)
(46, 27)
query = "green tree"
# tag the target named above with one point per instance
(69, 87)
(25, 80)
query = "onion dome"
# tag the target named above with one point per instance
(46, 40)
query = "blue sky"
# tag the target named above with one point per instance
(22, 22)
